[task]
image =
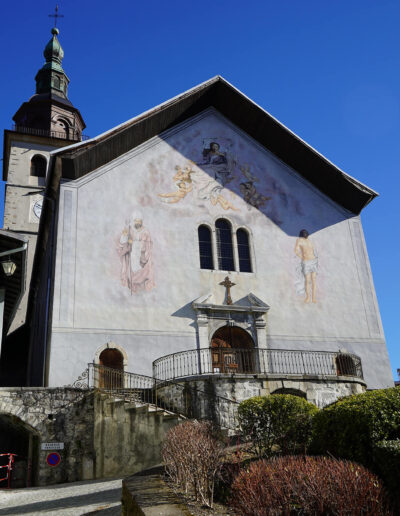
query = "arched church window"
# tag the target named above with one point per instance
(242, 237)
(224, 245)
(38, 166)
(205, 247)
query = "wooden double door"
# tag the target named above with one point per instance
(232, 350)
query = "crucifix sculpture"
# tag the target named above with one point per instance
(56, 15)
(227, 283)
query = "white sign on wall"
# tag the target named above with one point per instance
(52, 446)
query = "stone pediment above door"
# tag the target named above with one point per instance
(248, 313)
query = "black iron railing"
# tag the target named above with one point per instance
(178, 398)
(74, 136)
(207, 361)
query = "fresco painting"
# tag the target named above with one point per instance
(306, 280)
(135, 250)
(205, 188)
(249, 190)
(208, 174)
(217, 160)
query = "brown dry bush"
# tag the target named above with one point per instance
(192, 458)
(308, 486)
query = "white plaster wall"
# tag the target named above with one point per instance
(91, 306)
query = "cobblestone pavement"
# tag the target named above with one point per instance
(97, 497)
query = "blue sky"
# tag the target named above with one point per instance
(328, 70)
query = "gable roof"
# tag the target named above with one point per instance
(82, 158)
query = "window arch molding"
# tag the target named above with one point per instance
(234, 228)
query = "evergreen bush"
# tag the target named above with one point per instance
(351, 427)
(386, 455)
(279, 422)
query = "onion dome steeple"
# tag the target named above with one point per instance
(49, 113)
(51, 78)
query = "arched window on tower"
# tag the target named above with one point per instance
(242, 237)
(38, 166)
(224, 245)
(205, 247)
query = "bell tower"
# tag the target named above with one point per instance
(47, 121)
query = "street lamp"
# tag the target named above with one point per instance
(8, 267)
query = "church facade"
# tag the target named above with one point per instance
(201, 238)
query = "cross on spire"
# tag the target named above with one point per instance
(227, 283)
(56, 15)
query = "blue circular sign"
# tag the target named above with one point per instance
(53, 459)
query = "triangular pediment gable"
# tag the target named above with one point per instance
(80, 159)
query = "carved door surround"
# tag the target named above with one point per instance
(250, 315)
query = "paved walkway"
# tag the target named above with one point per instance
(97, 497)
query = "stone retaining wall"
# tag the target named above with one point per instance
(208, 396)
(54, 415)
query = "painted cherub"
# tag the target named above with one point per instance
(184, 183)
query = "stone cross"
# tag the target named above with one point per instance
(227, 283)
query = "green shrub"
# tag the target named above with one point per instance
(352, 426)
(308, 486)
(386, 455)
(280, 420)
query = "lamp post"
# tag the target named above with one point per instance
(9, 267)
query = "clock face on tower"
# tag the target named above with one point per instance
(37, 208)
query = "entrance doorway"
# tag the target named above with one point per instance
(232, 350)
(112, 372)
(18, 438)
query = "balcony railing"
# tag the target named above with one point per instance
(71, 135)
(207, 361)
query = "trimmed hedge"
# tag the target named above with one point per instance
(386, 455)
(280, 421)
(308, 486)
(351, 427)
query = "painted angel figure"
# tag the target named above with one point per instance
(183, 182)
(136, 253)
(249, 191)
